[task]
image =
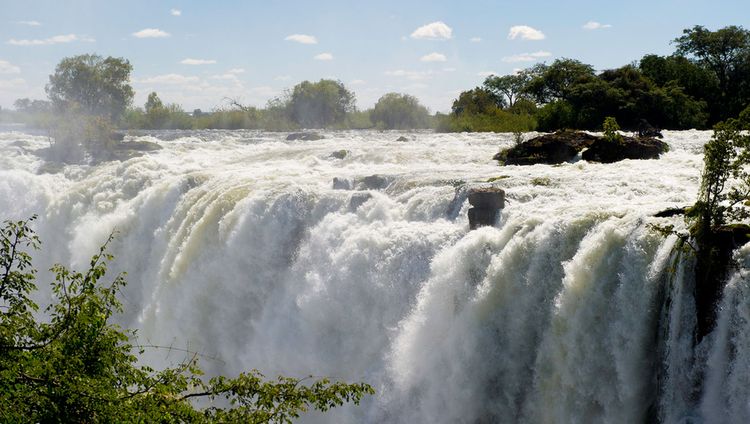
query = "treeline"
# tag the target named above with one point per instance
(705, 81)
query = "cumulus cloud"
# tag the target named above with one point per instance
(525, 32)
(323, 56)
(8, 68)
(151, 33)
(57, 39)
(189, 61)
(168, 79)
(475, 39)
(175, 12)
(527, 57)
(433, 57)
(592, 25)
(302, 39)
(434, 31)
(29, 23)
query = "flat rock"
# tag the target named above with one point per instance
(607, 151)
(304, 136)
(554, 148)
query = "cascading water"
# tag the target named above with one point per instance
(570, 309)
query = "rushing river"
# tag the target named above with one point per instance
(568, 310)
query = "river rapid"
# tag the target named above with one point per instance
(569, 310)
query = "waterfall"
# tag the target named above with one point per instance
(570, 309)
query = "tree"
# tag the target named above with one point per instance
(509, 86)
(319, 104)
(399, 111)
(99, 86)
(554, 82)
(77, 366)
(726, 52)
(477, 101)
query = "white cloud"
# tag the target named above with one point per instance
(302, 39)
(433, 57)
(57, 39)
(175, 12)
(434, 31)
(151, 33)
(282, 78)
(29, 23)
(8, 68)
(226, 77)
(485, 74)
(236, 71)
(357, 82)
(475, 39)
(592, 25)
(323, 56)
(410, 75)
(526, 57)
(525, 32)
(189, 61)
(168, 79)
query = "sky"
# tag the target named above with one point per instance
(199, 53)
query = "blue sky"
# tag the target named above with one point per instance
(197, 53)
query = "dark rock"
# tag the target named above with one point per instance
(646, 130)
(304, 136)
(402, 138)
(606, 151)
(373, 182)
(20, 143)
(341, 184)
(339, 154)
(486, 202)
(137, 146)
(487, 198)
(357, 200)
(117, 136)
(670, 212)
(714, 261)
(558, 147)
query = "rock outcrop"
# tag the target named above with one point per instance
(486, 202)
(565, 145)
(304, 136)
(607, 151)
(554, 148)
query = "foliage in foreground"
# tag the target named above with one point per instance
(77, 366)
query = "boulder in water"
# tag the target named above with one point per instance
(304, 136)
(357, 200)
(341, 184)
(339, 154)
(402, 138)
(607, 151)
(558, 147)
(486, 202)
(373, 182)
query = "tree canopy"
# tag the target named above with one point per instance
(320, 104)
(399, 111)
(78, 366)
(99, 86)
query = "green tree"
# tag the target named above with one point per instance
(399, 111)
(726, 52)
(319, 104)
(554, 82)
(477, 101)
(611, 130)
(98, 86)
(509, 86)
(78, 366)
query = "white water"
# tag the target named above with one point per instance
(568, 310)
